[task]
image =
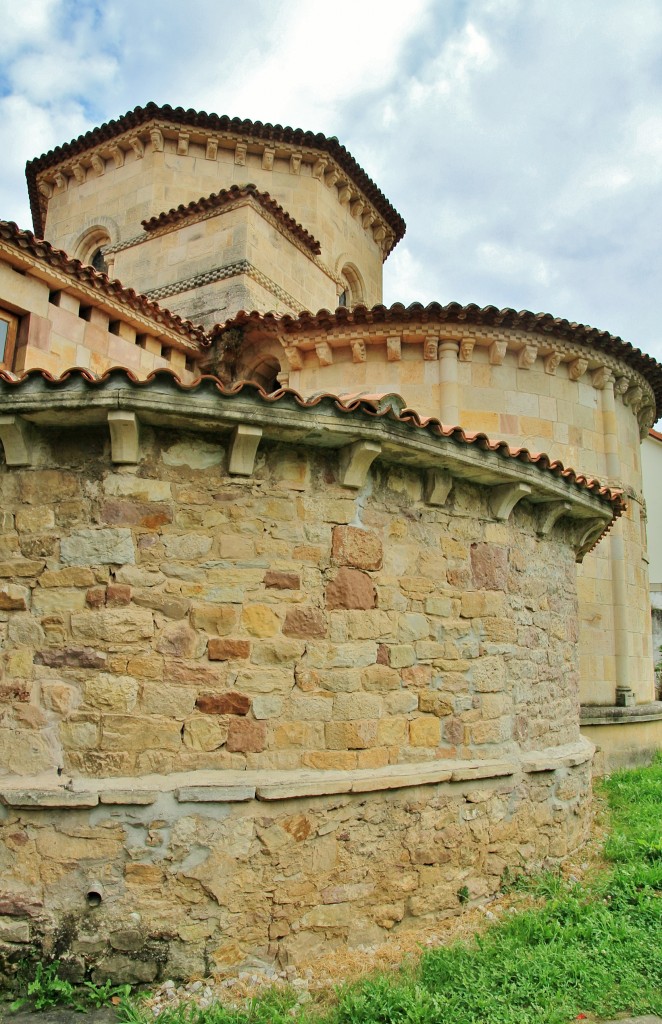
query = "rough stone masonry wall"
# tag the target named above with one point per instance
(172, 619)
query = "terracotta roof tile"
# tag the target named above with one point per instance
(454, 313)
(217, 200)
(44, 251)
(140, 116)
(656, 434)
(378, 405)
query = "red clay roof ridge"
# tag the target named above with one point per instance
(223, 197)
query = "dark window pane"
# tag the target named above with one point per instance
(4, 330)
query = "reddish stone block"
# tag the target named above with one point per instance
(489, 566)
(282, 580)
(96, 597)
(382, 655)
(118, 594)
(357, 548)
(222, 649)
(150, 514)
(351, 589)
(230, 703)
(246, 736)
(305, 622)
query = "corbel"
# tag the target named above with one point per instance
(324, 353)
(589, 536)
(117, 154)
(211, 150)
(379, 234)
(527, 357)
(183, 140)
(16, 436)
(355, 460)
(137, 146)
(319, 167)
(295, 163)
(61, 181)
(577, 368)
(156, 138)
(646, 419)
(497, 352)
(240, 151)
(504, 498)
(437, 487)
(344, 195)
(358, 351)
(552, 362)
(431, 348)
(356, 209)
(243, 449)
(45, 189)
(368, 219)
(621, 385)
(633, 396)
(78, 172)
(294, 357)
(550, 515)
(393, 349)
(124, 436)
(98, 164)
(466, 350)
(601, 377)
(331, 178)
(268, 158)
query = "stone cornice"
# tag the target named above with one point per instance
(221, 274)
(151, 126)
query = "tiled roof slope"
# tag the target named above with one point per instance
(217, 200)
(454, 313)
(58, 258)
(201, 119)
(390, 406)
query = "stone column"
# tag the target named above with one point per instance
(449, 389)
(624, 695)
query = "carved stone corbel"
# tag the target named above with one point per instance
(438, 483)
(319, 168)
(156, 138)
(243, 449)
(294, 357)
(268, 158)
(354, 462)
(331, 178)
(577, 368)
(98, 164)
(550, 515)
(551, 363)
(61, 181)
(527, 357)
(356, 209)
(344, 195)
(466, 352)
(431, 349)
(16, 436)
(621, 384)
(183, 140)
(124, 436)
(646, 419)
(358, 351)
(211, 149)
(393, 349)
(497, 352)
(117, 154)
(589, 535)
(240, 151)
(379, 233)
(137, 146)
(45, 189)
(633, 397)
(368, 219)
(295, 163)
(324, 353)
(78, 172)
(504, 498)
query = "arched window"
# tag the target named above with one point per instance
(353, 291)
(90, 248)
(265, 373)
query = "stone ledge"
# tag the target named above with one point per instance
(238, 786)
(611, 715)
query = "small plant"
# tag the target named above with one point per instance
(47, 989)
(463, 894)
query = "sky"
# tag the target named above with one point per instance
(521, 140)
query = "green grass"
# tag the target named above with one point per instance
(592, 948)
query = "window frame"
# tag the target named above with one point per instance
(7, 362)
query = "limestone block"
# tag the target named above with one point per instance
(225, 649)
(357, 548)
(279, 651)
(347, 706)
(489, 566)
(351, 588)
(123, 625)
(70, 577)
(14, 597)
(267, 707)
(178, 640)
(125, 732)
(21, 567)
(260, 620)
(214, 618)
(424, 731)
(246, 736)
(200, 455)
(187, 548)
(380, 678)
(351, 735)
(97, 547)
(204, 733)
(105, 692)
